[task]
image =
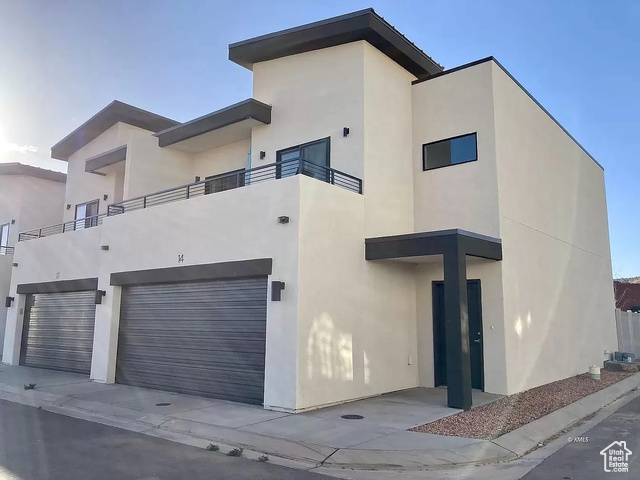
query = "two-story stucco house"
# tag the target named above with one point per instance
(366, 222)
(30, 197)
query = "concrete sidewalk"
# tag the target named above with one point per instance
(320, 438)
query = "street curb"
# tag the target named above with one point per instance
(300, 455)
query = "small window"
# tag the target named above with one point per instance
(87, 212)
(452, 151)
(228, 182)
(4, 236)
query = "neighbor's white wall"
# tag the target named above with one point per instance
(388, 166)
(356, 325)
(489, 273)
(221, 160)
(251, 231)
(461, 196)
(68, 256)
(558, 289)
(314, 95)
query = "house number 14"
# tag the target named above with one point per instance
(181, 258)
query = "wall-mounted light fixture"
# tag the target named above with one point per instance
(8, 301)
(68, 206)
(197, 178)
(104, 247)
(262, 154)
(99, 295)
(283, 219)
(15, 264)
(105, 196)
(276, 291)
(345, 132)
(13, 222)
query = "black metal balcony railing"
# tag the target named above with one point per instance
(218, 183)
(6, 250)
(80, 224)
(240, 178)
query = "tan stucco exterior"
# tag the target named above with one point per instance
(346, 327)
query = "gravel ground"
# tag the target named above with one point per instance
(508, 413)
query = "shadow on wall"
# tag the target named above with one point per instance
(330, 353)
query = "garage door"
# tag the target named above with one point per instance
(204, 338)
(58, 331)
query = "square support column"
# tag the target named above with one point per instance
(457, 329)
(105, 336)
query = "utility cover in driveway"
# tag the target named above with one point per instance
(205, 338)
(58, 331)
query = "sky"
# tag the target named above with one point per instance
(62, 61)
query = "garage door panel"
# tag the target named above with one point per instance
(58, 331)
(204, 338)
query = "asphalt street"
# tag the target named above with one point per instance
(580, 459)
(36, 444)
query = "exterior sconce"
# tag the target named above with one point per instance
(262, 154)
(68, 206)
(8, 301)
(15, 264)
(104, 247)
(276, 291)
(345, 132)
(99, 295)
(197, 178)
(283, 219)
(13, 222)
(105, 196)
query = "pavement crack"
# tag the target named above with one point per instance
(328, 457)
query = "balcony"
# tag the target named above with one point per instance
(218, 183)
(6, 250)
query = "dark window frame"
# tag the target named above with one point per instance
(279, 153)
(225, 177)
(8, 225)
(425, 145)
(91, 221)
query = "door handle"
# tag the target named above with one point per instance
(477, 340)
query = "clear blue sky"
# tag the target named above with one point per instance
(62, 61)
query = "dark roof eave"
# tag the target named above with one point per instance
(113, 113)
(15, 168)
(250, 108)
(361, 25)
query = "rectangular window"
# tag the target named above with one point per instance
(225, 183)
(312, 157)
(88, 212)
(451, 151)
(4, 236)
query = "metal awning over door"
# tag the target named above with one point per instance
(202, 338)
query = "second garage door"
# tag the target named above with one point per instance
(204, 338)
(58, 331)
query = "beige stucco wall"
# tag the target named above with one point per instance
(356, 326)
(221, 160)
(461, 196)
(558, 292)
(68, 256)
(313, 95)
(32, 202)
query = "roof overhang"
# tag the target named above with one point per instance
(103, 120)
(362, 25)
(100, 163)
(415, 245)
(29, 171)
(222, 127)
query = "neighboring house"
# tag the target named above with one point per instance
(627, 295)
(30, 197)
(365, 223)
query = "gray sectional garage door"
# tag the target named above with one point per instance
(202, 338)
(58, 331)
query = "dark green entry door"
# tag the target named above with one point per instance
(474, 304)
